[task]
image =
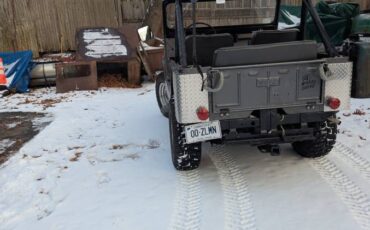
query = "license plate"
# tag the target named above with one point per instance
(203, 132)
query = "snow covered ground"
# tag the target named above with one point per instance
(104, 163)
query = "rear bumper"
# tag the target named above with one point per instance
(276, 137)
(273, 128)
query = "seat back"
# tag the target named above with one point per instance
(206, 46)
(274, 36)
(266, 54)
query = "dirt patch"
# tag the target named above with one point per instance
(359, 112)
(145, 92)
(76, 148)
(152, 144)
(115, 147)
(16, 129)
(115, 81)
(76, 157)
(133, 156)
(46, 103)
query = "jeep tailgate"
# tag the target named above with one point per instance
(284, 85)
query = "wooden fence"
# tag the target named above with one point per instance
(50, 25)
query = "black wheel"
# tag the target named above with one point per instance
(184, 156)
(162, 95)
(326, 136)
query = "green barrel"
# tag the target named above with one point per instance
(361, 24)
(360, 56)
(337, 19)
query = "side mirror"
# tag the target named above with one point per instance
(145, 33)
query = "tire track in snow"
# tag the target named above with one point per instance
(359, 163)
(187, 215)
(239, 212)
(354, 198)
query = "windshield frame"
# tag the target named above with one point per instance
(233, 29)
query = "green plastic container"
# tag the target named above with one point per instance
(337, 19)
(361, 24)
(360, 56)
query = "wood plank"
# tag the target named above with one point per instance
(134, 75)
(133, 10)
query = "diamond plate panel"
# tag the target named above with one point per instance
(189, 97)
(339, 85)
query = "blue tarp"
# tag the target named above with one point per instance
(17, 67)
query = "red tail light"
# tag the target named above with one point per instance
(334, 103)
(202, 113)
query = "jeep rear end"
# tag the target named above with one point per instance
(272, 88)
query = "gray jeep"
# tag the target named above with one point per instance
(231, 76)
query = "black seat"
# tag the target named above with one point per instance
(274, 36)
(265, 54)
(206, 46)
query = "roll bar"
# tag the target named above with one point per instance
(307, 7)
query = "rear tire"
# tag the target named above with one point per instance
(163, 99)
(185, 157)
(326, 136)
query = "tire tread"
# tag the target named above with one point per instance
(323, 144)
(185, 157)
